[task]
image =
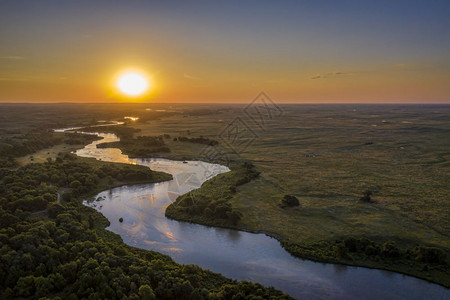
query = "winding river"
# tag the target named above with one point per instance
(235, 254)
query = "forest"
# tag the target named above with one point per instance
(122, 131)
(54, 247)
(141, 146)
(197, 140)
(61, 250)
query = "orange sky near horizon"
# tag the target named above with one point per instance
(73, 53)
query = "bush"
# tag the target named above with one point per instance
(430, 255)
(30, 203)
(75, 184)
(390, 250)
(371, 250)
(340, 250)
(146, 292)
(55, 209)
(66, 197)
(351, 244)
(367, 197)
(234, 216)
(289, 201)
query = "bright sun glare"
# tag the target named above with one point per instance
(132, 84)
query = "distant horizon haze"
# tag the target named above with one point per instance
(234, 103)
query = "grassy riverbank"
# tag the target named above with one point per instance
(210, 204)
(386, 252)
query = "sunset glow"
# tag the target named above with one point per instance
(132, 84)
(298, 52)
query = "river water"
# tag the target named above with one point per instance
(235, 254)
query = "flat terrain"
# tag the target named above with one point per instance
(41, 156)
(325, 155)
(328, 156)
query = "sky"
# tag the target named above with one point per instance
(226, 51)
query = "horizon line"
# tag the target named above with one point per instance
(243, 103)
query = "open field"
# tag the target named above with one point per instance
(333, 154)
(41, 156)
(327, 156)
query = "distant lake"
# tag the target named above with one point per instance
(235, 254)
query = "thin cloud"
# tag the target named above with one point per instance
(191, 77)
(33, 78)
(12, 79)
(12, 57)
(328, 75)
(409, 67)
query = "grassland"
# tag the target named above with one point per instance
(41, 156)
(328, 156)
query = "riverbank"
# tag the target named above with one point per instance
(258, 202)
(347, 250)
(253, 206)
(237, 254)
(142, 209)
(310, 253)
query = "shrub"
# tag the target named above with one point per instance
(390, 250)
(371, 250)
(367, 197)
(289, 201)
(55, 209)
(351, 244)
(146, 292)
(430, 255)
(66, 197)
(340, 250)
(75, 184)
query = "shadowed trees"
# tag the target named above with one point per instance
(210, 204)
(64, 251)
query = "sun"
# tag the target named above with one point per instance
(132, 83)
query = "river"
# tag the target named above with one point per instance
(235, 254)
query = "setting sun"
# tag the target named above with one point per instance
(132, 84)
(323, 124)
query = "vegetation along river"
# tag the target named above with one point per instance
(235, 254)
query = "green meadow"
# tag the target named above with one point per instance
(327, 156)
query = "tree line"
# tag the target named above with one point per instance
(140, 147)
(62, 250)
(210, 204)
